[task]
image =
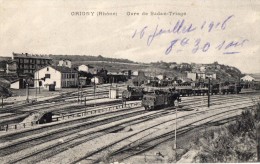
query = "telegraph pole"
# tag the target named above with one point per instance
(2, 101)
(36, 89)
(39, 81)
(175, 133)
(81, 93)
(35, 82)
(78, 88)
(95, 90)
(258, 132)
(27, 92)
(209, 93)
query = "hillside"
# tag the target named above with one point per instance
(78, 58)
(171, 69)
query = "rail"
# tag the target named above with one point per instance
(18, 126)
(94, 111)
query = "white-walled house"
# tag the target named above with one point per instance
(65, 63)
(97, 80)
(85, 68)
(61, 77)
(161, 77)
(200, 75)
(248, 78)
(192, 76)
(135, 73)
(202, 69)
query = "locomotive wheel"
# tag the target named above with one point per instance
(146, 108)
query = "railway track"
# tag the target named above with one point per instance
(77, 140)
(146, 142)
(22, 113)
(32, 137)
(68, 95)
(68, 143)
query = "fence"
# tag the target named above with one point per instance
(68, 116)
(94, 111)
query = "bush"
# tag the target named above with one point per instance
(235, 143)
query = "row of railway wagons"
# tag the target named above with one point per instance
(214, 89)
(166, 97)
(137, 93)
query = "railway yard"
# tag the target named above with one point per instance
(89, 127)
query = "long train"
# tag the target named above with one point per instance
(137, 93)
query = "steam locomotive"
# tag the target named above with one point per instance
(160, 99)
(133, 93)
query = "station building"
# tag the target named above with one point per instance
(59, 76)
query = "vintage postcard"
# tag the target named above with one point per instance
(93, 81)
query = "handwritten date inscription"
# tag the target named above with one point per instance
(179, 29)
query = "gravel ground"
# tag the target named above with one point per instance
(78, 151)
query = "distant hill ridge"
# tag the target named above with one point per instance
(89, 58)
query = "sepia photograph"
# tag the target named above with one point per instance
(129, 82)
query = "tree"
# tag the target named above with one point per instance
(4, 92)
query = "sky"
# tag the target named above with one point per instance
(220, 30)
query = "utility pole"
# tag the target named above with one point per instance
(85, 101)
(175, 133)
(39, 81)
(258, 132)
(35, 83)
(2, 102)
(81, 95)
(27, 91)
(95, 90)
(35, 89)
(209, 93)
(78, 88)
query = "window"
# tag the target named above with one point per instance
(47, 76)
(73, 76)
(47, 68)
(40, 83)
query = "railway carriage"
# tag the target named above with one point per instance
(230, 88)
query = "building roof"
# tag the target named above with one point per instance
(89, 66)
(11, 62)
(140, 78)
(65, 60)
(34, 56)
(5, 58)
(61, 69)
(256, 76)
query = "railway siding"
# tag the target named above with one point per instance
(76, 139)
(126, 142)
(76, 135)
(5, 126)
